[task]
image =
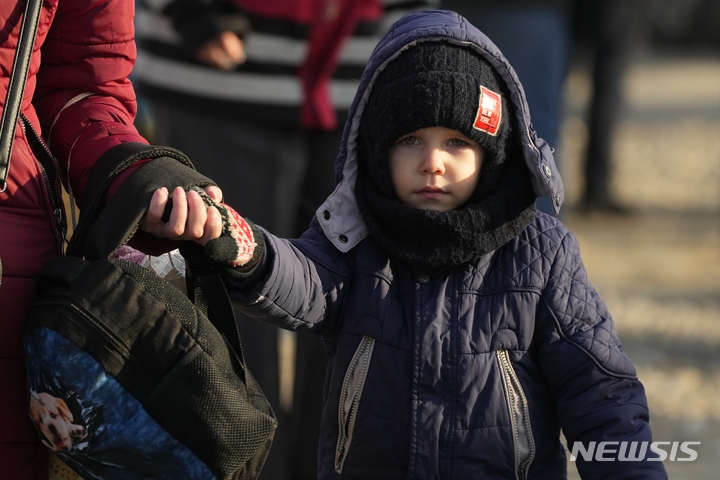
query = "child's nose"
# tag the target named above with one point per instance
(433, 163)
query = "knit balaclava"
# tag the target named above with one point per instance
(441, 84)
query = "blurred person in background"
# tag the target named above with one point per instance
(254, 92)
(536, 37)
(614, 29)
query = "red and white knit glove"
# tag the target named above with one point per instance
(236, 245)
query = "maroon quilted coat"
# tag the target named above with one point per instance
(79, 96)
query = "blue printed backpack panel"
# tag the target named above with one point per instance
(92, 423)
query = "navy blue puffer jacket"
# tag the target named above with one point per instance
(459, 373)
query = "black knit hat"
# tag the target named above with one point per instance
(437, 84)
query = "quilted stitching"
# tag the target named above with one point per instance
(523, 263)
(581, 314)
(546, 258)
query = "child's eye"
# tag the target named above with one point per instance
(456, 142)
(409, 140)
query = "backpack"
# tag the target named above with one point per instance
(127, 376)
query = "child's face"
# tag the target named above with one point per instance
(435, 168)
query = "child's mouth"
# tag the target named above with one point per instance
(431, 192)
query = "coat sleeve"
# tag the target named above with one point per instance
(598, 395)
(302, 285)
(84, 98)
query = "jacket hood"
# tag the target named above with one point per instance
(339, 216)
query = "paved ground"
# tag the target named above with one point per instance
(658, 269)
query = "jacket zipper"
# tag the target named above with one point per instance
(81, 319)
(48, 164)
(350, 395)
(524, 443)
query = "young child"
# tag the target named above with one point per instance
(462, 330)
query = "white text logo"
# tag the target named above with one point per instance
(634, 451)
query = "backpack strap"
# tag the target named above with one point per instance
(16, 86)
(207, 290)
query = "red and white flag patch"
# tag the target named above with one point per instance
(489, 112)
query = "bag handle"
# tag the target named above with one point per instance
(102, 229)
(120, 219)
(16, 87)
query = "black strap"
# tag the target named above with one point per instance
(207, 290)
(16, 87)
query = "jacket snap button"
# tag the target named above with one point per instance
(326, 215)
(423, 279)
(342, 238)
(547, 171)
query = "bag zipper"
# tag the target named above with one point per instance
(523, 441)
(99, 332)
(350, 395)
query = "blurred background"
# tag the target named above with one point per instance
(654, 255)
(628, 92)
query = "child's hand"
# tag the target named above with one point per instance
(190, 218)
(226, 236)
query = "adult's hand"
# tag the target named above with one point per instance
(224, 52)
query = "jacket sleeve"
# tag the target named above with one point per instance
(598, 395)
(300, 284)
(84, 99)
